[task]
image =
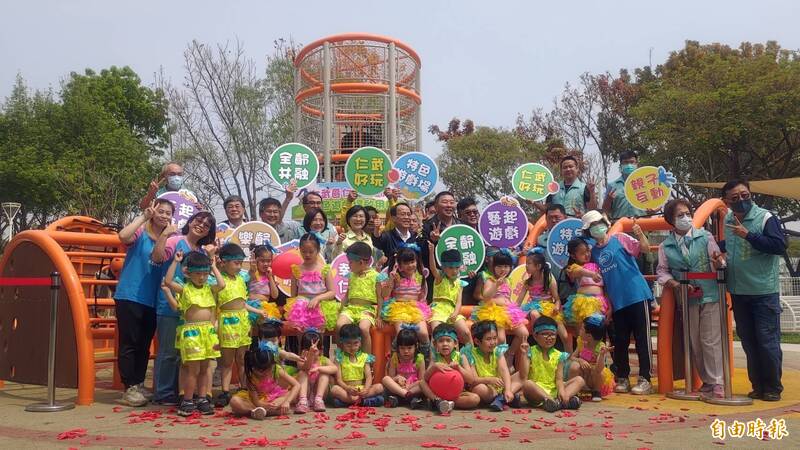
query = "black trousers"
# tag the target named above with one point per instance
(136, 325)
(633, 319)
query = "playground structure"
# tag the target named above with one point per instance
(355, 90)
(83, 249)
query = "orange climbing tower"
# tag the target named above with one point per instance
(355, 90)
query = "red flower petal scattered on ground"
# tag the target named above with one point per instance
(440, 426)
(572, 437)
(609, 436)
(72, 434)
(521, 411)
(525, 441)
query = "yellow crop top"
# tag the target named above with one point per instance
(353, 370)
(202, 297)
(235, 288)
(363, 287)
(447, 289)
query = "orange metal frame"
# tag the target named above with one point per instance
(666, 315)
(51, 243)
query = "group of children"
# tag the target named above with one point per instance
(233, 316)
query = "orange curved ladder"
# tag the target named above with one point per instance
(76, 247)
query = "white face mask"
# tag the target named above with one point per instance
(683, 223)
(175, 182)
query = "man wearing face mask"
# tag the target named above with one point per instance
(172, 179)
(753, 244)
(616, 205)
(694, 250)
(629, 295)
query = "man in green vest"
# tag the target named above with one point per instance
(754, 244)
(576, 196)
(616, 205)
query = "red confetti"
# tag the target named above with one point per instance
(116, 409)
(524, 441)
(355, 435)
(372, 443)
(521, 411)
(609, 436)
(72, 434)
(572, 437)
(536, 427)
(439, 426)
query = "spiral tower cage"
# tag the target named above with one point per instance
(355, 90)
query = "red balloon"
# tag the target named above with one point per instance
(282, 264)
(447, 385)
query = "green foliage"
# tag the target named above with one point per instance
(713, 113)
(88, 152)
(480, 164)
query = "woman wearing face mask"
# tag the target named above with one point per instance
(695, 250)
(629, 294)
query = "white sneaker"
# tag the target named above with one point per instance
(144, 391)
(446, 406)
(258, 413)
(643, 387)
(132, 397)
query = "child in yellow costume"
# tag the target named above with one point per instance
(447, 291)
(547, 369)
(232, 318)
(197, 338)
(354, 378)
(364, 288)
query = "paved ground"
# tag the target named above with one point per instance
(620, 421)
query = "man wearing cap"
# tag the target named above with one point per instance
(629, 295)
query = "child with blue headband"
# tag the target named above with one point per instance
(547, 368)
(447, 292)
(446, 357)
(197, 338)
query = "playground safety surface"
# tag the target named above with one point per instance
(625, 421)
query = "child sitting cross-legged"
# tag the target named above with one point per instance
(264, 395)
(354, 378)
(446, 357)
(546, 368)
(406, 367)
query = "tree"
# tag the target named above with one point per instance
(573, 121)
(714, 113)
(480, 164)
(88, 152)
(228, 119)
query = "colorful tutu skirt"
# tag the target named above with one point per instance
(300, 316)
(608, 382)
(272, 310)
(395, 311)
(268, 390)
(580, 306)
(508, 316)
(544, 308)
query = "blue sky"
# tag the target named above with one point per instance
(484, 60)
